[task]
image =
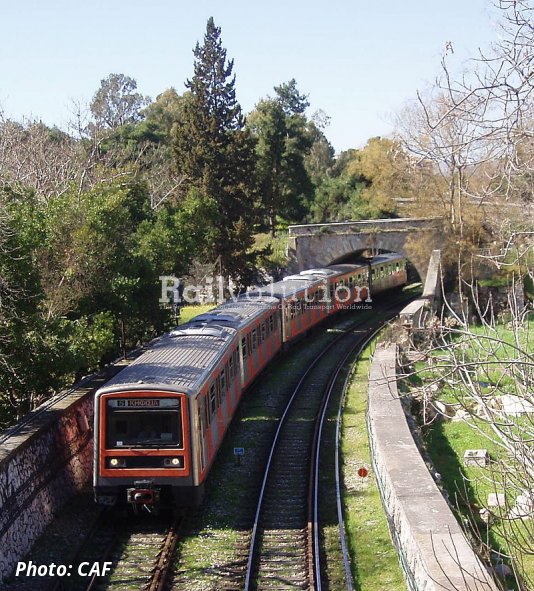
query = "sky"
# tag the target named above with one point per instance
(359, 62)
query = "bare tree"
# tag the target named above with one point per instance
(475, 129)
(34, 155)
(472, 135)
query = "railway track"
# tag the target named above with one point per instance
(140, 553)
(284, 549)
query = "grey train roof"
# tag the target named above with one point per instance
(322, 272)
(387, 257)
(288, 287)
(178, 361)
(237, 313)
(343, 268)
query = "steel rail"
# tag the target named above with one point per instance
(358, 346)
(281, 423)
(162, 569)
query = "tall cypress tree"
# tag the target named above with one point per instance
(215, 151)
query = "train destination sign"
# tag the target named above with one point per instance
(143, 402)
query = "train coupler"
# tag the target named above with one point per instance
(144, 495)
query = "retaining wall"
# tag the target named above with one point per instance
(433, 547)
(44, 461)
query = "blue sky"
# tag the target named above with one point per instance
(358, 61)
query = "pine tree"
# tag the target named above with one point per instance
(216, 153)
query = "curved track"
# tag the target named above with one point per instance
(285, 548)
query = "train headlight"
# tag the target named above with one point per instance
(117, 463)
(173, 462)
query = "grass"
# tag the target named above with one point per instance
(469, 486)
(189, 312)
(374, 558)
(446, 441)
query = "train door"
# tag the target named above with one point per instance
(243, 359)
(202, 414)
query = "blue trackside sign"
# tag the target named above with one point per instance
(239, 451)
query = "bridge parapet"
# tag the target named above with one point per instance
(361, 226)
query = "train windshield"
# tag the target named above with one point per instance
(144, 422)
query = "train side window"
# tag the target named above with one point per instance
(244, 347)
(254, 339)
(201, 413)
(223, 382)
(231, 367)
(207, 410)
(213, 398)
(351, 281)
(397, 266)
(249, 342)
(381, 271)
(271, 323)
(359, 279)
(218, 390)
(263, 331)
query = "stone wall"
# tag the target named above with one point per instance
(319, 245)
(40, 477)
(44, 461)
(432, 545)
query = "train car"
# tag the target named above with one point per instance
(258, 325)
(388, 271)
(349, 284)
(296, 296)
(160, 422)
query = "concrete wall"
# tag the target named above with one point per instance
(432, 287)
(434, 549)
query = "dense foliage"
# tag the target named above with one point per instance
(187, 184)
(90, 220)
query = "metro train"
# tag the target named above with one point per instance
(159, 423)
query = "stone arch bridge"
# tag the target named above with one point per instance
(316, 245)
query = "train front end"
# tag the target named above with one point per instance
(142, 451)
